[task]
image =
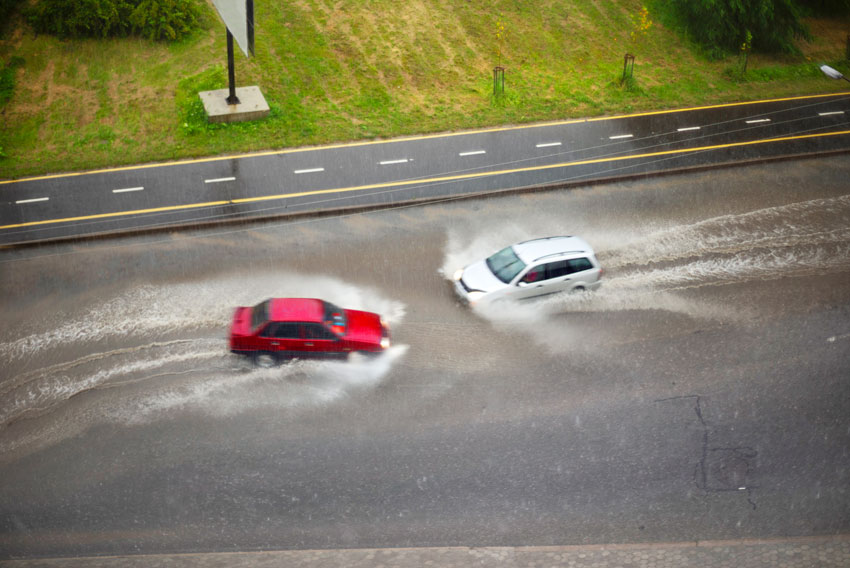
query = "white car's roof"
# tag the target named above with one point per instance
(531, 251)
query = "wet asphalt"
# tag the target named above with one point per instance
(740, 475)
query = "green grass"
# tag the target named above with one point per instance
(363, 69)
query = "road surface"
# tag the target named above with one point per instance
(700, 394)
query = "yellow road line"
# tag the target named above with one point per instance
(403, 183)
(710, 107)
(416, 138)
(529, 169)
(117, 214)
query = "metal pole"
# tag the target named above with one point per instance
(231, 75)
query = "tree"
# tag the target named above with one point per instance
(744, 55)
(828, 7)
(641, 23)
(719, 25)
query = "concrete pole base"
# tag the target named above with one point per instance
(252, 105)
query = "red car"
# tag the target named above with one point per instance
(282, 328)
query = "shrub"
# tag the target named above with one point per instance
(153, 19)
(7, 84)
(80, 18)
(165, 19)
(7, 79)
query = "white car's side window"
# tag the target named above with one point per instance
(557, 269)
(535, 274)
(580, 264)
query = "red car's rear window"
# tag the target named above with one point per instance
(335, 319)
(260, 314)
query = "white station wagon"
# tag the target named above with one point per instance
(530, 269)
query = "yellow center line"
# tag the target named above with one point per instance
(422, 137)
(528, 169)
(404, 183)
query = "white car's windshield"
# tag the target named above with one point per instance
(505, 264)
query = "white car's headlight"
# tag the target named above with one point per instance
(458, 274)
(474, 296)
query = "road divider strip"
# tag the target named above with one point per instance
(423, 137)
(438, 179)
(118, 214)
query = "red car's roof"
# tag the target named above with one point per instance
(296, 309)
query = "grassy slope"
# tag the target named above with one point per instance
(338, 70)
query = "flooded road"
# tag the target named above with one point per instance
(702, 392)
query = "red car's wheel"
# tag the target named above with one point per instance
(265, 360)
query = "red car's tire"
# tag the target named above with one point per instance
(265, 360)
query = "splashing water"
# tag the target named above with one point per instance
(224, 394)
(210, 383)
(151, 311)
(645, 272)
(815, 222)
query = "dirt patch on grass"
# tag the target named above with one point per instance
(830, 39)
(43, 94)
(414, 55)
